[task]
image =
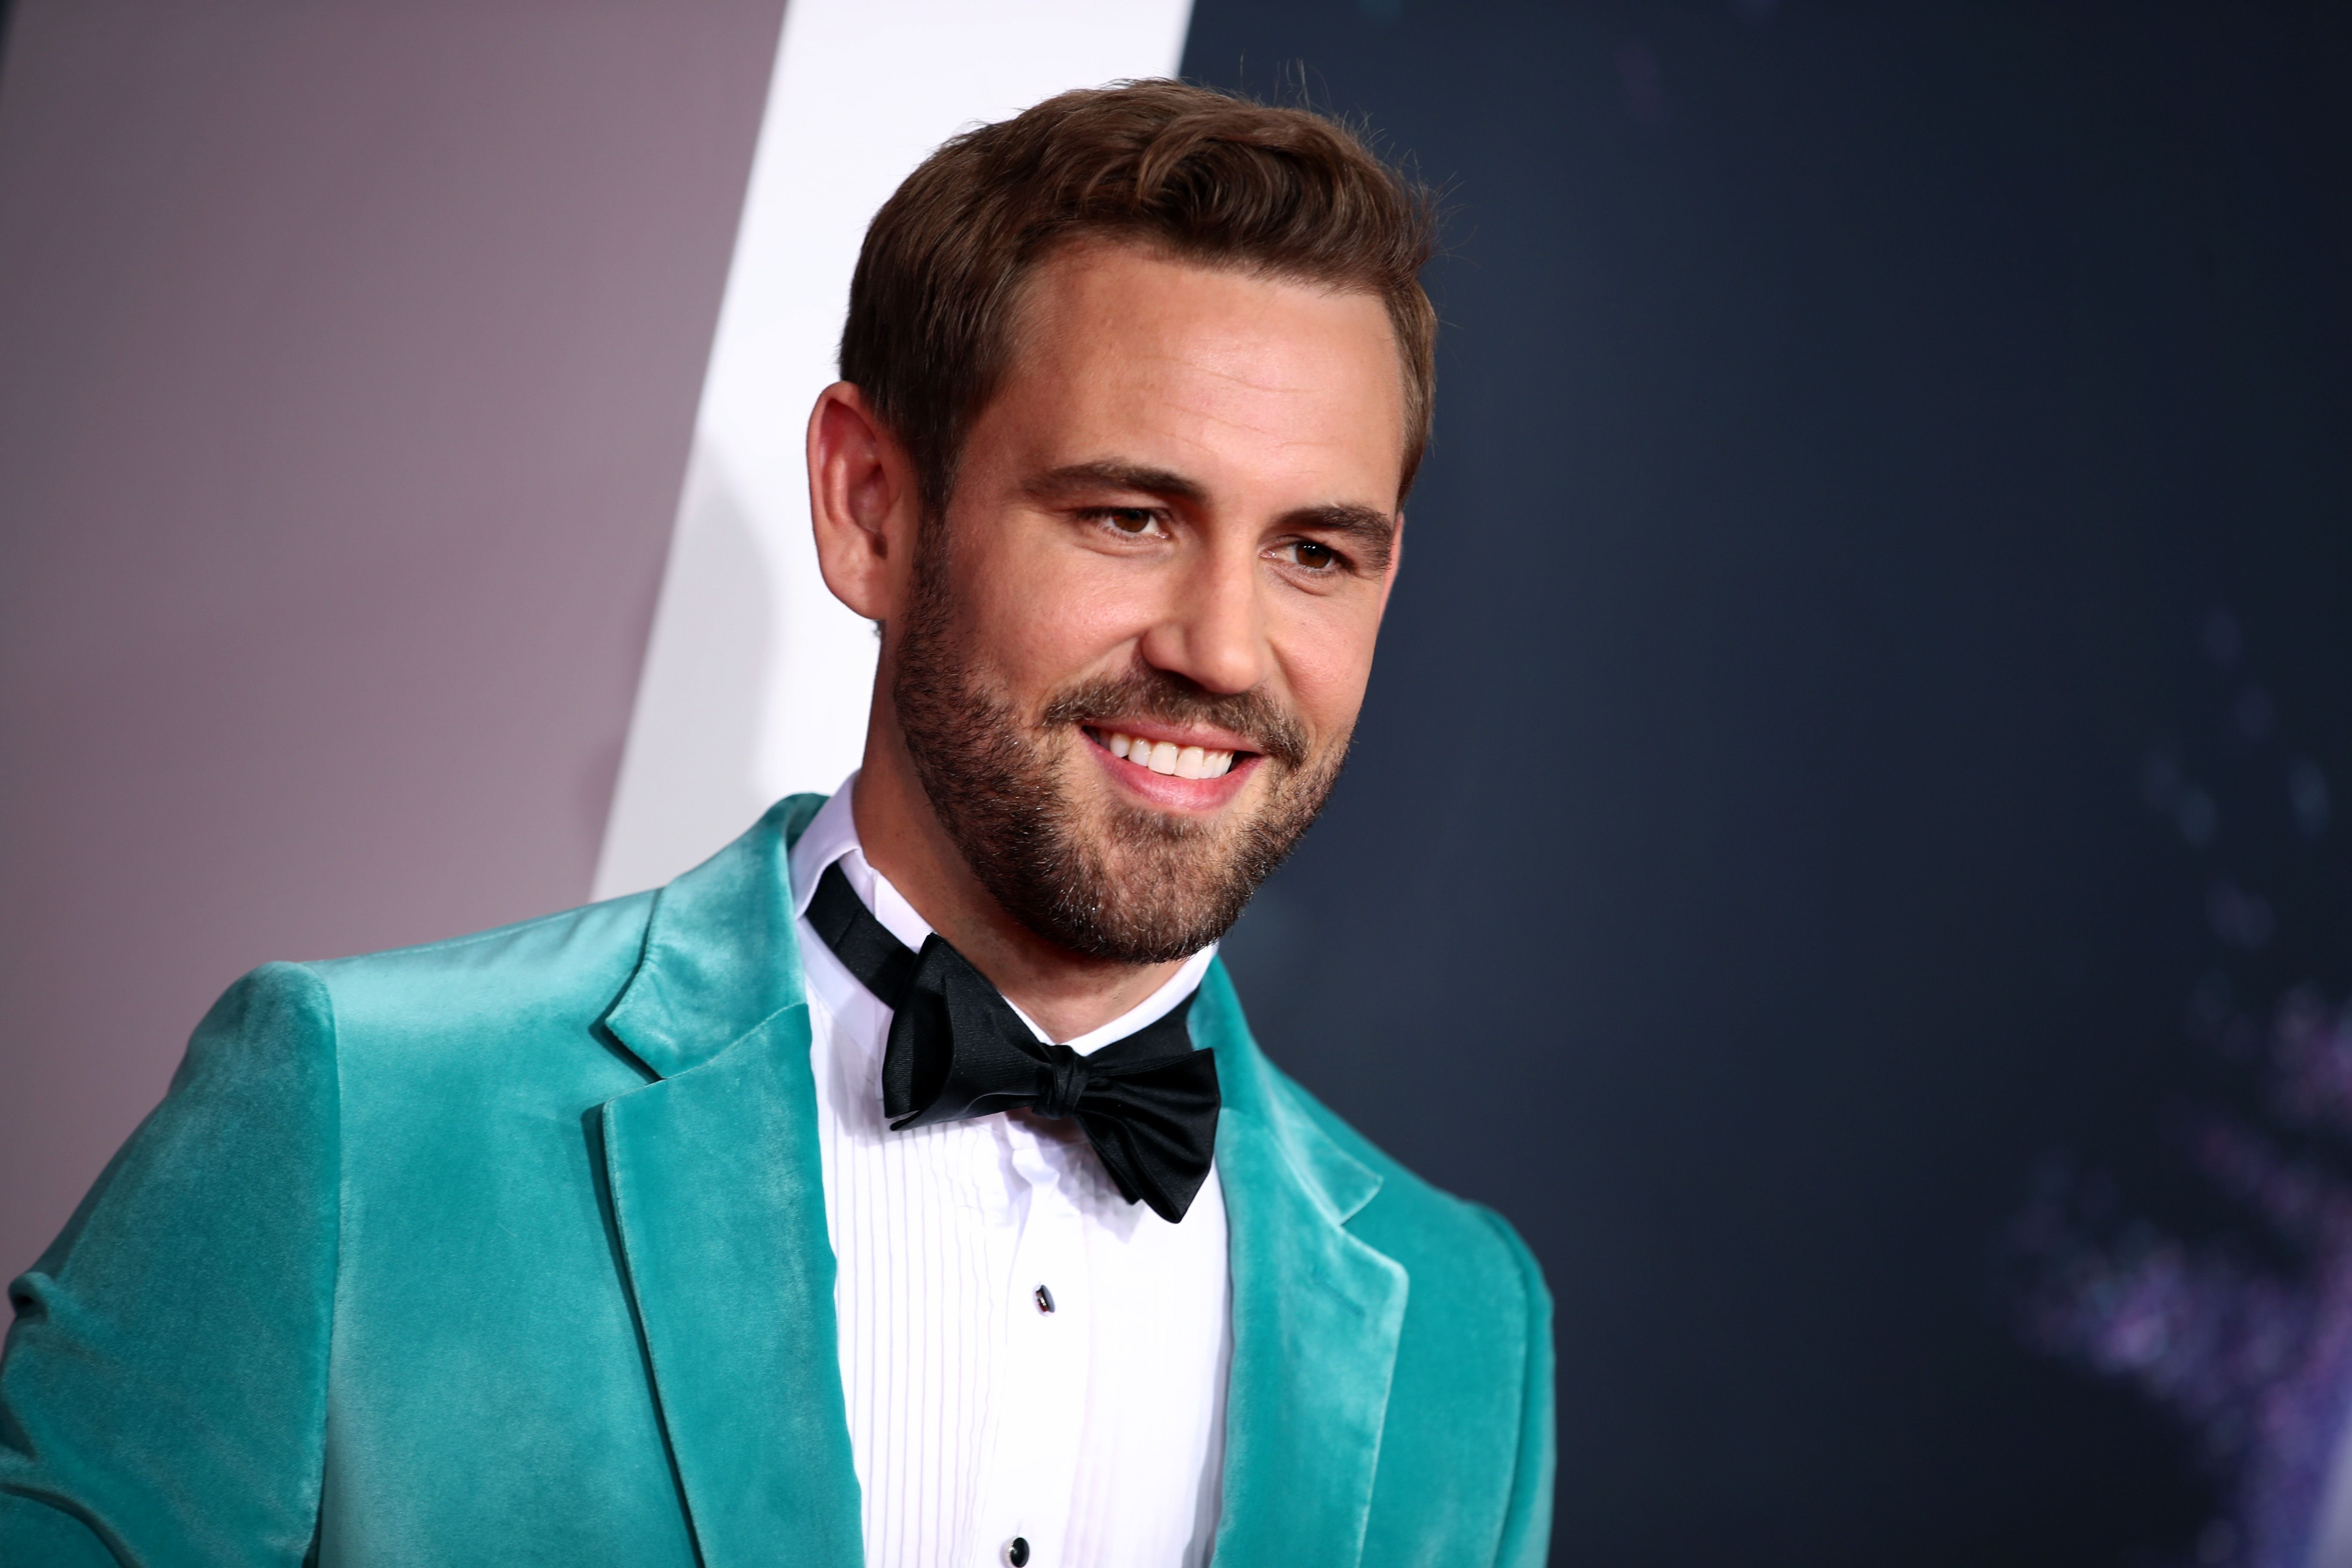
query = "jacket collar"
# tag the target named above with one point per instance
(719, 954)
(717, 1195)
(1318, 1313)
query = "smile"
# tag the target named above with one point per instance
(1165, 757)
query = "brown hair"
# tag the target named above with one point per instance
(1197, 174)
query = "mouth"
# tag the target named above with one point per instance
(1170, 759)
(1186, 768)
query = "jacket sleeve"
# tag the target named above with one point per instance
(1526, 1527)
(163, 1390)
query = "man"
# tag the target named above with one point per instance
(902, 1185)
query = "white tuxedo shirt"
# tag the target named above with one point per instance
(1093, 1430)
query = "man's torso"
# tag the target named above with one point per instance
(514, 1248)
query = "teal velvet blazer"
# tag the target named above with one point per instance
(511, 1249)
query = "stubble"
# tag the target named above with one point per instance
(1110, 879)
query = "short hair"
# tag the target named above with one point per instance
(1194, 172)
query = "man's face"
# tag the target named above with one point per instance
(1134, 653)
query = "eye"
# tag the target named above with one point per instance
(1130, 521)
(1311, 554)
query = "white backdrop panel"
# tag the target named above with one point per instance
(756, 679)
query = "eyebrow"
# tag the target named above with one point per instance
(1062, 484)
(1370, 530)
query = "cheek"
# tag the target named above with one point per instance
(1045, 617)
(1325, 650)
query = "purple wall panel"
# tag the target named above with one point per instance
(348, 359)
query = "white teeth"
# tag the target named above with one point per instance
(1167, 757)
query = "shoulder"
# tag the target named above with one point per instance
(554, 965)
(1467, 1451)
(1432, 1232)
(519, 1004)
(563, 968)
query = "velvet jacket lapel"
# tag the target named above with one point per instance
(1317, 1316)
(718, 1198)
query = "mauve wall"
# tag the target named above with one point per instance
(351, 354)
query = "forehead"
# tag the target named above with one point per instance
(1119, 352)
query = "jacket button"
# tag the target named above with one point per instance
(1016, 1550)
(1045, 1304)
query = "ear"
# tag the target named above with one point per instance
(862, 503)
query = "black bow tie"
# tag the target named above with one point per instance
(1148, 1103)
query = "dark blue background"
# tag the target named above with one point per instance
(1862, 430)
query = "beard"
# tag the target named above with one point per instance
(1108, 879)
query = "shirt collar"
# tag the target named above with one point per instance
(831, 836)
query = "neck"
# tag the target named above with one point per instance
(1067, 992)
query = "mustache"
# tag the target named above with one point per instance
(1150, 693)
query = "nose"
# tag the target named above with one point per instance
(1211, 630)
